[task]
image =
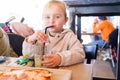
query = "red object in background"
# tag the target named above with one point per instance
(114, 53)
(7, 29)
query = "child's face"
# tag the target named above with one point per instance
(54, 16)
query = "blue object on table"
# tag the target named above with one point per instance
(22, 61)
(2, 59)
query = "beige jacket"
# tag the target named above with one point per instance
(5, 49)
(65, 44)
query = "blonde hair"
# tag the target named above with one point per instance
(59, 3)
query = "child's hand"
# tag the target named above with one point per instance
(51, 60)
(38, 36)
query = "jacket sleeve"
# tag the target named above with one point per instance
(97, 27)
(74, 54)
(4, 44)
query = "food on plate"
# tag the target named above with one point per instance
(26, 74)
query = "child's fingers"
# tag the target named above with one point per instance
(43, 37)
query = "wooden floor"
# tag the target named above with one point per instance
(102, 70)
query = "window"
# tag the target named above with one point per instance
(31, 10)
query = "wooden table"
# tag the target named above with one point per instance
(79, 71)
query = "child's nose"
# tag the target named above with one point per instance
(52, 20)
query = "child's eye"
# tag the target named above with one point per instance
(46, 17)
(57, 17)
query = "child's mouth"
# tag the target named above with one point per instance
(47, 28)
